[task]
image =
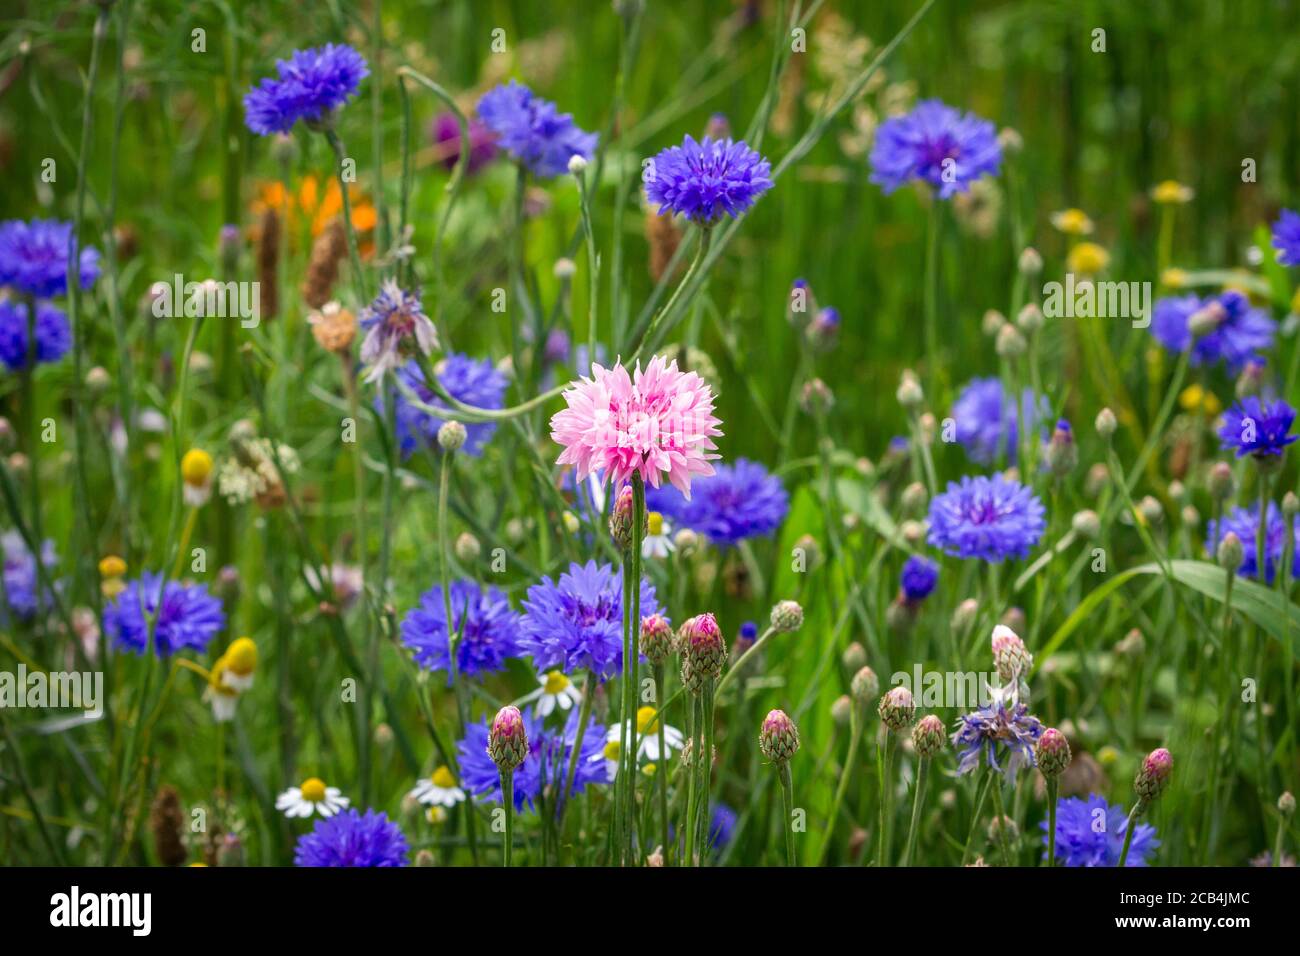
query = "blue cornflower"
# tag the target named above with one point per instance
(34, 257)
(488, 629)
(547, 763)
(737, 501)
(472, 381)
(722, 825)
(1286, 238)
(991, 518)
(920, 575)
(53, 334)
(576, 623)
(937, 144)
(1091, 833)
(1003, 727)
(395, 326)
(188, 617)
(1244, 523)
(988, 423)
(312, 84)
(1241, 335)
(706, 180)
(21, 581)
(350, 839)
(1258, 428)
(533, 130)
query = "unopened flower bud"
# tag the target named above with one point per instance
(909, 393)
(1290, 504)
(963, 616)
(1014, 618)
(1152, 512)
(467, 548)
(98, 380)
(1286, 803)
(1010, 342)
(1010, 657)
(992, 322)
(928, 736)
(1003, 828)
(620, 519)
(1030, 319)
(656, 639)
(1153, 776)
(1106, 424)
(1052, 752)
(854, 657)
(1062, 455)
(1086, 524)
(778, 738)
(787, 616)
(1230, 552)
(703, 650)
(451, 436)
(1220, 481)
(424, 858)
(1204, 321)
(564, 268)
(1031, 262)
(686, 541)
(1096, 481)
(508, 739)
(1133, 645)
(577, 164)
(842, 710)
(865, 686)
(897, 708)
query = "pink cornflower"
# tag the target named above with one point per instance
(652, 423)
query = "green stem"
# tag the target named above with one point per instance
(922, 766)
(661, 771)
(855, 735)
(1128, 832)
(1051, 821)
(883, 753)
(787, 801)
(508, 797)
(354, 256)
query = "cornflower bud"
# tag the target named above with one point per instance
(1230, 552)
(1153, 776)
(787, 616)
(1052, 752)
(778, 738)
(451, 436)
(1086, 524)
(897, 708)
(1030, 319)
(842, 710)
(507, 739)
(620, 519)
(909, 393)
(864, 686)
(854, 658)
(928, 736)
(467, 548)
(1220, 480)
(1031, 262)
(656, 639)
(1106, 424)
(1010, 657)
(1062, 455)
(703, 650)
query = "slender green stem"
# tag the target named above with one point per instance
(661, 771)
(1128, 832)
(787, 802)
(1003, 819)
(508, 802)
(855, 736)
(884, 751)
(1051, 821)
(697, 747)
(982, 792)
(648, 336)
(922, 766)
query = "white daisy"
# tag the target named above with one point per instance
(647, 729)
(440, 789)
(312, 797)
(557, 691)
(609, 754)
(658, 542)
(223, 699)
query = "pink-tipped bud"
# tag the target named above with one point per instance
(1052, 753)
(778, 739)
(1010, 657)
(928, 737)
(703, 650)
(620, 520)
(507, 739)
(1153, 776)
(656, 640)
(897, 708)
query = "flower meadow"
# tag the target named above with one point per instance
(629, 434)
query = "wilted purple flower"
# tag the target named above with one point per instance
(1257, 428)
(53, 334)
(706, 180)
(445, 133)
(1003, 728)
(937, 144)
(395, 326)
(188, 616)
(34, 257)
(737, 501)
(350, 839)
(1241, 334)
(311, 85)
(533, 130)
(487, 629)
(1091, 833)
(1244, 523)
(471, 381)
(989, 518)
(988, 423)
(576, 623)
(1286, 238)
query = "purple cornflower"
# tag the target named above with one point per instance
(988, 423)
(445, 134)
(722, 826)
(395, 326)
(1086, 837)
(990, 518)
(533, 130)
(34, 257)
(1244, 522)
(546, 764)
(937, 144)
(351, 839)
(706, 180)
(472, 381)
(53, 334)
(920, 575)
(1004, 726)
(576, 623)
(737, 501)
(487, 629)
(188, 617)
(1241, 333)
(1286, 238)
(312, 84)
(22, 591)
(1257, 428)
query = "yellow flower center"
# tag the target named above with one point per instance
(1171, 191)
(655, 523)
(649, 770)
(1174, 278)
(645, 721)
(313, 790)
(241, 656)
(612, 750)
(196, 466)
(1088, 258)
(555, 682)
(1074, 222)
(111, 566)
(436, 815)
(443, 777)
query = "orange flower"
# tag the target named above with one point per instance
(319, 210)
